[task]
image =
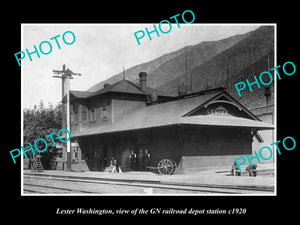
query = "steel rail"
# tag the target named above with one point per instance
(158, 185)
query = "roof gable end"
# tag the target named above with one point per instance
(223, 99)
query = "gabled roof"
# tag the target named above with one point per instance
(230, 100)
(123, 86)
(171, 113)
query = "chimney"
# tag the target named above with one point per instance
(143, 80)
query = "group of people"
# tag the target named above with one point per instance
(140, 161)
(251, 170)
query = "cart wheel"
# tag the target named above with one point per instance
(166, 167)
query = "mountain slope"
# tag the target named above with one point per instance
(210, 64)
(172, 65)
(251, 55)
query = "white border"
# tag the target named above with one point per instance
(193, 24)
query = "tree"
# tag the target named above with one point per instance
(38, 123)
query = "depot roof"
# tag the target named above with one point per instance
(175, 113)
(220, 120)
(123, 86)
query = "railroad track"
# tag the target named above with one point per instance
(42, 184)
(42, 189)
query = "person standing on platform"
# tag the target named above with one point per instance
(147, 159)
(141, 160)
(133, 160)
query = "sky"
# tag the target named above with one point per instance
(101, 51)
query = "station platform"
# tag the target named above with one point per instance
(219, 177)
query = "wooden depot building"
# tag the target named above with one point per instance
(199, 131)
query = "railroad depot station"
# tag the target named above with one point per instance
(198, 131)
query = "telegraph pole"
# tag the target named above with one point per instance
(66, 75)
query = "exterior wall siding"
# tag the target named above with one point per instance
(115, 109)
(201, 163)
(122, 107)
(192, 148)
(266, 114)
